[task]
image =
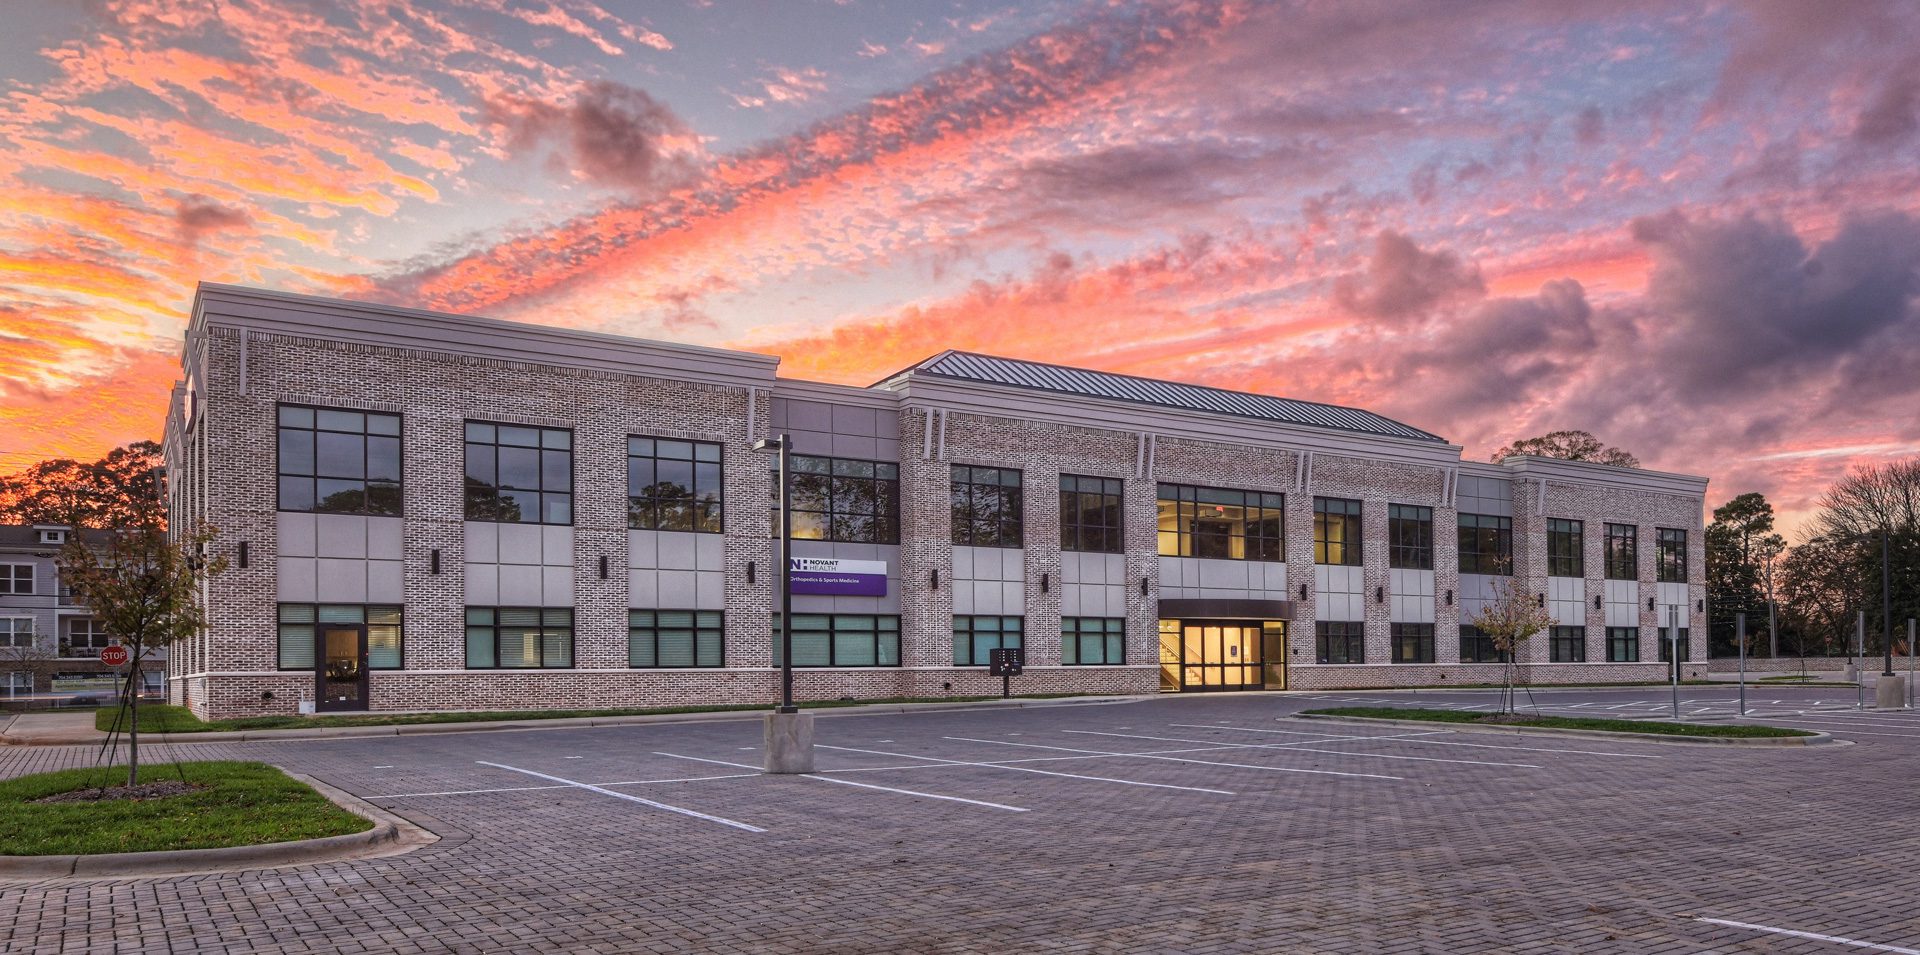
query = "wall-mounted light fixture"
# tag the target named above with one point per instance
(1303, 591)
(934, 578)
(749, 571)
(1539, 600)
(1649, 603)
(603, 566)
(1596, 601)
(243, 554)
(1700, 605)
(433, 561)
(1449, 598)
(1143, 586)
(1044, 583)
(1379, 595)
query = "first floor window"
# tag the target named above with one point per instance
(1666, 645)
(299, 623)
(1623, 644)
(16, 684)
(519, 638)
(16, 578)
(1340, 641)
(16, 632)
(1093, 641)
(675, 638)
(1568, 645)
(1413, 643)
(974, 638)
(1477, 647)
(841, 640)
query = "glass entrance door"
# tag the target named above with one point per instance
(342, 671)
(1218, 655)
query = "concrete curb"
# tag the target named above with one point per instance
(485, 726)
(391, 835)
(1817, 739)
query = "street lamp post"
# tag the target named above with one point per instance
(1890, 690)
(789, 733)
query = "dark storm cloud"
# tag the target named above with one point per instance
(614, 135)
(1402, 280)
(199, 215)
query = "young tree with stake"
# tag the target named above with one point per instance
(1509, 621)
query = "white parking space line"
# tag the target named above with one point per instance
(1029, 769)
(1301, 746)
(1184, 759)
(629, 797)
(1436, 742)
(524, 789)
(849, 782)
(1815, 936)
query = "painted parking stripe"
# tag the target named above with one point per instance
(1436, 742)
(525, 789)
(1302, 746)
(849, 782)
(1796, 933)
(629, 797)
(1029, 769)
(1185, 759)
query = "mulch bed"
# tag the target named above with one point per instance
(154, 790)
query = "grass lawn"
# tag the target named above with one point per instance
(1565, 722)
(166, 718)
(243, 804)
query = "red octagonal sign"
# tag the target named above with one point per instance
(113, 656)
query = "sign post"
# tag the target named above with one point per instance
(1740, 635)
(1006, 663)
(1673, 652)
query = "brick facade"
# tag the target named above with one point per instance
(241, 369)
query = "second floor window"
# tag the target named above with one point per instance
(673, 485)
(518, 474)
(339, 462)
(1565, 540)
(1671, 558)
(85, 637)
(16, 578)
(1410, 536)
(1336, 531)
(1090, 514)
(840, 499)
(986, 507)
(1623, 552)
(1486, 545)
(16, 632)
(1220, 523)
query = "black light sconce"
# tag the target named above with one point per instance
(1379, 595)
(434, 561)
(749, 571)
(1596, 602)
(243, 554)
(1539, 600)
(1449, 598)
(1143, 586)
(603, 566)
(1303, 591)
(1649, 603)
(1700, 605)
(1043, 583)
(935, 579)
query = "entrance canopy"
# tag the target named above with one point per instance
(1226, 609)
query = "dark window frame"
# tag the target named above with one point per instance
(573, 636)
(1566, 546)
(1496, 562)
(367, 484)
(832, 631)
(473, 489)
(965, 496)
(702, 515)
(1622, 557)
(1482, 648)
(972, 632)
(1623, 644)
(1268, 515)
(1078, 630)
(1566, 644)
(1419, 636)
(1666, 646)
(366, 611)
(1347, 515)
(694, 630)
(1339, 642)
(1670, 555)
(1110, 532)
(1410, 536)
(836, 523)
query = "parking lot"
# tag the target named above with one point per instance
(1188, 824)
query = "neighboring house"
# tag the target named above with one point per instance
(50, 645)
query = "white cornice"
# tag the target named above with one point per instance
(328, 319)
(1555, 470)
(835, 394)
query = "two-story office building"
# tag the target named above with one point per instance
(49, 644)
(429, 511)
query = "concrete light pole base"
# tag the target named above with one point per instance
(789, 743)
(1890, 693)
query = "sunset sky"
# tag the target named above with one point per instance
(1691, 229)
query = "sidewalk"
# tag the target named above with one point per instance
(65, 729)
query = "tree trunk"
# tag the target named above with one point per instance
(133, 724)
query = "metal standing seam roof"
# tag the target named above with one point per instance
(1167, 394)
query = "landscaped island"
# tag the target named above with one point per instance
(1647, 727)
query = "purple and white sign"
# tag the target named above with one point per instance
(831, 576)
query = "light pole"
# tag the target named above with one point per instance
(789, 732)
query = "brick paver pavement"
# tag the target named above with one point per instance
(1565, 845)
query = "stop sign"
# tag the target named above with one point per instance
(113, 656)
